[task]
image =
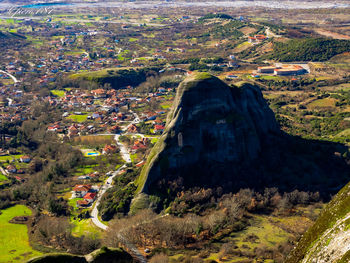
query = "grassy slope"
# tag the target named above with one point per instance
(14, 243)
(335, 210)
(85, 227)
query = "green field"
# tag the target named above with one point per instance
(320, 103)
(58, 93)
(14, 243)
(10, 157)
(85, 227)
(86, 169)
(78, 118)
(73, 202)
(2, 177)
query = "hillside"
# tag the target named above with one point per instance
(328, 239)
(308, 49)
(216, 135)
(206, 114)
(116, 77)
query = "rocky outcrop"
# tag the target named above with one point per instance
(211, 125)
(328, 240)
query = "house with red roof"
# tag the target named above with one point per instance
(132, 128)
(11, 169)
(158, 128)
(256, 39)
(81, 190)
(99, 93)
(108, 149)
(89, 197)
(82, 203)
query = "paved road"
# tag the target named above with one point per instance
(108, 184)
(104, 188)
(10, 75)
(123, 150)
(3, 171)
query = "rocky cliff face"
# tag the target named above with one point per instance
(328, 240)
(211, 127)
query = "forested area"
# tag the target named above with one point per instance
(308, 49)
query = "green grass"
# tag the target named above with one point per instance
(243, 44)
(154, 140)
(73, 202)
(133, 39)
(345, 133)
(14, 242)
(85, 170)
(78, 118)
(133, 157)
(85, 227)
(268, 234)
(10, 21)
(321, 103)
(58, 93)
(2, 177)
(10, 157)
(165, 106)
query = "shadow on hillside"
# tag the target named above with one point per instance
(287, 162)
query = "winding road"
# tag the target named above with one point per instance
(10, 75)
(108, 184)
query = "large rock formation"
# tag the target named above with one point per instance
(212, 128)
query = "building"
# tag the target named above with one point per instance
(82, 203)
(266, 70)
(283, 70)
(158, 128)
(256, 39)
(108, 149)
(11, 169)
(288, 70)
(132, 128)
(90, 197)
(25, 159)
(81, 190)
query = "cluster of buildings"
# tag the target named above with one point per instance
(102, 111)
(85, 191)
(283, 70)
(257, 39)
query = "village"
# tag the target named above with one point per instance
(85, 93)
